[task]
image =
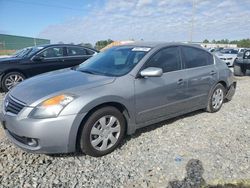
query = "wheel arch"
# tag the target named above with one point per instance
(119, 106)
(222, 82)
(13, 70)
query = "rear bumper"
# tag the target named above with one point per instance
(231, 91)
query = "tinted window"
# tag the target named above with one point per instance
(76, 51)
(194, 57)
(116, 61)
(210, 59)
(120, 57)
(52, 52)
(27, 51)
(168, 59)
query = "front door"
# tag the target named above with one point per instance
(52, 59)
(156, 97)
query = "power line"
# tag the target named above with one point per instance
(46, 5)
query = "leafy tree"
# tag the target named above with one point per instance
(243, 43)
(205, 41)
(86, 44)
(102, 43)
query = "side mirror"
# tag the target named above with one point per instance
(151, 72)
(38, 58)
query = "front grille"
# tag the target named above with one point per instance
(13, 105)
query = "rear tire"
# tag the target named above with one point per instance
(102, 132)
(11, 79)
(239, 70)
(216, 99)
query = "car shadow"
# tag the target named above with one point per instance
(136, 134)
(158, 125)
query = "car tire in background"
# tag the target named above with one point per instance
(102, 132)
(239, 70)
(11, 79)
(216, 98)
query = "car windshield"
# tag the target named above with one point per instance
(229, 51)
(27, 52)
(116, 61)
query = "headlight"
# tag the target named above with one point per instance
(51, 107)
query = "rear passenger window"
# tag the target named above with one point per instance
(168, 59)
(210, 59)
(194, 57)
(76, 51)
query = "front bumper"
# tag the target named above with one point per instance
(52, 135)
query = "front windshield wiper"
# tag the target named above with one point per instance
(87, 71)
(94, 72)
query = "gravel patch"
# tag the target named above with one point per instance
(152, 157)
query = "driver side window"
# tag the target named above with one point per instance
(168, 59)
(52, 52)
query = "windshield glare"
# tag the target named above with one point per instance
(27, 52)
(116, 61)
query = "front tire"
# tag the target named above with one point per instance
(216, 99)
(239, 70)
(11, 79)
(102, 132)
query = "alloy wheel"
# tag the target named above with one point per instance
(217, 98)
(13, 80)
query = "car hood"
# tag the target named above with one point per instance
(226, 55)
(9, 59)
(57, 82)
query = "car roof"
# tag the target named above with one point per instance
(73, 45)
(160, 44)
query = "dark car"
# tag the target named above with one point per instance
(242, 63)
(35, 60)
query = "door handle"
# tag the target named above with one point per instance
(180, 81)
(213, 72)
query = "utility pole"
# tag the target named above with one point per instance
(192, 21)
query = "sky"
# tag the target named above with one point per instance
(87, 21)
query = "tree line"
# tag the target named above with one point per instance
(244, 43)
(98, 45)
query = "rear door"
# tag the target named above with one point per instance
(77, 55)
(156, 97)
(202, 74)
